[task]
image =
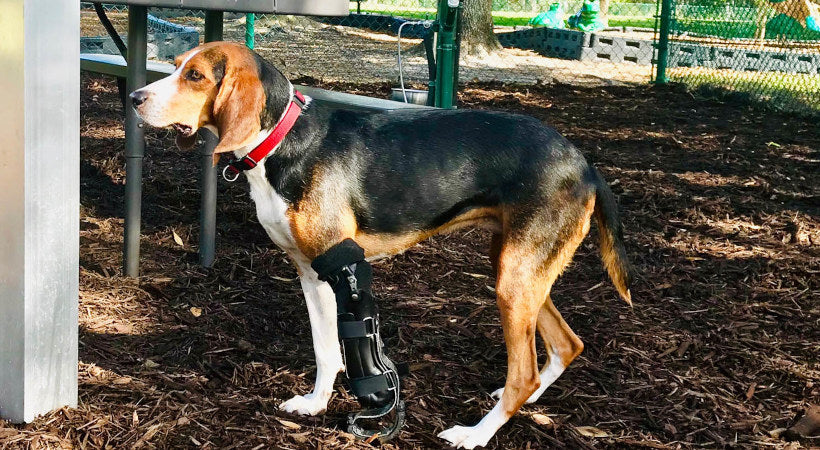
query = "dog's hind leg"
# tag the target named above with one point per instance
(321, 304)
(520, 296)
(526, 273)
(563, 346)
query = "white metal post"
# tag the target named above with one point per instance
(39, 205)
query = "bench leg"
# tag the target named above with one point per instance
(134, 138)
(208, 176)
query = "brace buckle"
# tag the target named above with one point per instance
(370, 326)
(352, 281)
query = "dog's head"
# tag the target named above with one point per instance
(222, 85)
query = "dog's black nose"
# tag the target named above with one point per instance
(138, 97)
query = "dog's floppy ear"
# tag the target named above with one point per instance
(237, 108)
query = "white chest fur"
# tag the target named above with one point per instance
(271, 210)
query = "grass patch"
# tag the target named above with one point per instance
(778, 90)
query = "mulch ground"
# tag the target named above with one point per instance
(720, 205)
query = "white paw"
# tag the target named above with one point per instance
(533, 398)
(306, 405)
(465, 437)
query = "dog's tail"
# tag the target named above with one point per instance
(610, 229)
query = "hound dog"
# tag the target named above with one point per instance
(389, 180)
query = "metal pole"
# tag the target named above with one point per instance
(445, 52)
(40, 208)
(208, 177)
(112, 32)
(134, 138)
(663, 41)
(250, 20)
(431, 68)
(213, 26)
(457, 57)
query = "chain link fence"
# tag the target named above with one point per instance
(170, 31)
(764, 50)
(541, 43)
(607, 43)
(768, 50)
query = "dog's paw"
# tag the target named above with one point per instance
(305, 405)
(500, 391)
(466, 437)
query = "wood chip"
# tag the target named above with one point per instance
(542, 419)
(289, 424)
(177, 239)
(807, 426)
(588, 431)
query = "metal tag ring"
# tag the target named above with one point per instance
(225, 175)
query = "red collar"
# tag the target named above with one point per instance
(280, 130)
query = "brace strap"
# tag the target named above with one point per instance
(370, 385)
(357, 329)
(338, 256)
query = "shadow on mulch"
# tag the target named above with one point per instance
(722, 219)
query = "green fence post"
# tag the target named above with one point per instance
(250, 20)
(446, 52)
(663, 41)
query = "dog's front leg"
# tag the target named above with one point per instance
(321, 304)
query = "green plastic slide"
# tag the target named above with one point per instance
(588, 18)
(805, 12)
(554, 18)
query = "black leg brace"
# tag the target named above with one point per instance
(371, 375)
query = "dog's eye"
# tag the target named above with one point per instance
(193, 75)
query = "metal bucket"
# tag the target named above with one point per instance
(415, 96)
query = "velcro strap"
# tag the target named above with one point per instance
(357, 329)
(365, 386)
(342, 254)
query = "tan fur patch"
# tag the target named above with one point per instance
(553, 268)
(383, 244)
(557, 335)
(322, 218)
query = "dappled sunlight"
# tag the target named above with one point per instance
(115, 309)
(720, 227)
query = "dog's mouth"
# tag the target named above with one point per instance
(184, 130)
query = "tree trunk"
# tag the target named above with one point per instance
(604, 6)
(477, 37)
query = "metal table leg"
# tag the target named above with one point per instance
(134, 138)
(207, 209)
